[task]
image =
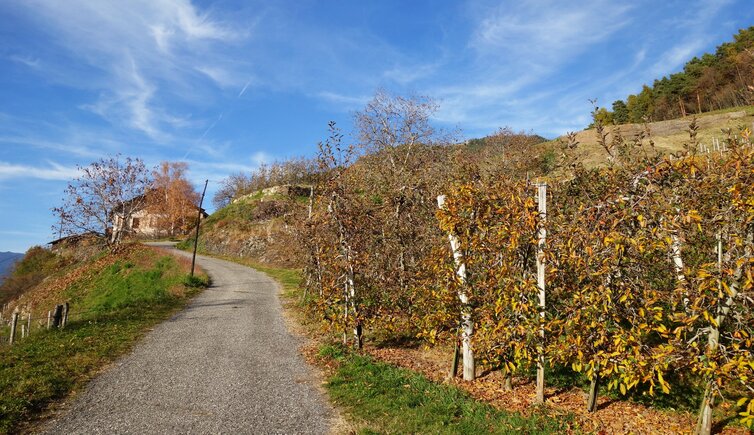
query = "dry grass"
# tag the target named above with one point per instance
(668, 136)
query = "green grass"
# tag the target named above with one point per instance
(121, 303)
(381, 398)
(123, 285)
(289, 279)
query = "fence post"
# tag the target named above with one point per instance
(13, 324)
(542, 234)
(28, 324)
(57, 317)
(49, 319)
(65, 314)
(24, 333)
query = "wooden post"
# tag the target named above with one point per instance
(454, 366)
(13, 325)
(198, 223)
(28, 324)
(591, 404)
(49, 319)
(57, 316)
(65, 315)
(542, 235)
(23, 331)
(467, 323)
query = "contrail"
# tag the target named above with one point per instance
(240, 94)
(212, 126)
(205, 133)
(243, 91)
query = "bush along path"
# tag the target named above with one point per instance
(224, 364)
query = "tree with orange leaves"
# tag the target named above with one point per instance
(172, 199)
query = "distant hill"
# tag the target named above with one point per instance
(7, 260)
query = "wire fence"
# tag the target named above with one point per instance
(19, 325)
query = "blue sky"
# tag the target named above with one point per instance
(226, 85)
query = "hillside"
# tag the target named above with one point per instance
(114, 298)
(256, 226)
(7, 260)
(668, 136)
(711, 82)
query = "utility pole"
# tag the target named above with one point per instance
(198, 221)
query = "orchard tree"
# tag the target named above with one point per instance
(402, 173)
(103, 199)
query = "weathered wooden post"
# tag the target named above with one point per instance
(454, 366)
(28, 324)
(13, 325)
(467, 323)
(49, 319)
(65, 315)
(542, 235)
(57, 316)
(23, 331)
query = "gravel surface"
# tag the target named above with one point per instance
(225, 364)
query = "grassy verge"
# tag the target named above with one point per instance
(289, 279)
(119, 303)
(381, 398)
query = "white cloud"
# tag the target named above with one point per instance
(53, 172)
(68, 148)
(144, 53)
(675, 57)
(546, 31)
(29, 61)
(347, 102)
(407, 74)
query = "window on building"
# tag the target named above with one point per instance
(135, 223)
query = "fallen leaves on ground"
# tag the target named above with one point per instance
(612, 416)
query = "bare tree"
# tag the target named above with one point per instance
(232, 187)
(103, 199)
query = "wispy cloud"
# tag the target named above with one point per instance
(53, 171)
(29, 61)
(346, 102)
(68, 148)
(675, 57)
(546, 31)
(148, 52)
(404, 75)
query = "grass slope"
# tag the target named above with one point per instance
(116, 305)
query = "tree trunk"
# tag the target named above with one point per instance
(591, 404)
(507, 380)
(704, 421)
(675, 248)
(467, 323)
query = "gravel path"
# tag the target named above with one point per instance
(225, 364)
